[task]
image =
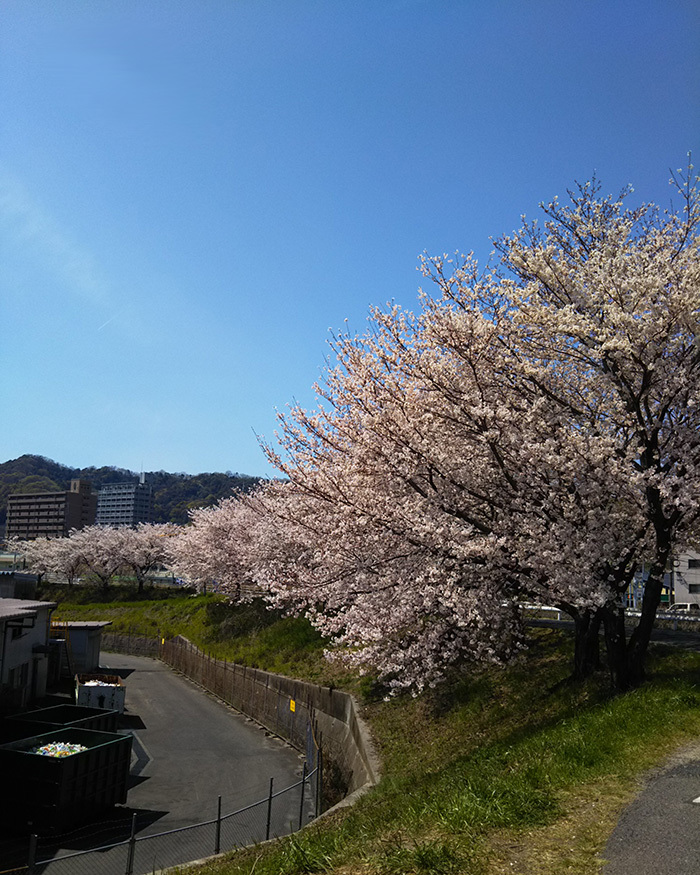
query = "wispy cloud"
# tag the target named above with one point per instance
(26, 225)
(105, 324)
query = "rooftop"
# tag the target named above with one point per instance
(15, 609)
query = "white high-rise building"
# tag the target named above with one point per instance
(125, 504)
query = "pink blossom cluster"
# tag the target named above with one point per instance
(101, 551)
(530, 435)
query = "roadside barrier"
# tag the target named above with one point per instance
(284, 706)
(119, 847)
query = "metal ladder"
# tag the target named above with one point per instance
(60, 632)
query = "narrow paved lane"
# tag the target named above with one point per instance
(659, 832)
(190, 748)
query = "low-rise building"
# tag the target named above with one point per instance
(84, 639)
(24, 652)
(685, 577)
(681, 582)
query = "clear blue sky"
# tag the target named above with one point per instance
(193, 193)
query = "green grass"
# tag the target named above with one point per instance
(250, 634)
(500, 770)
(178, 615)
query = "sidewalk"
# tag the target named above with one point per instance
(659, 833)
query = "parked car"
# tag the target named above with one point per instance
(685, 608)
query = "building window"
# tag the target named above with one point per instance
(693, 563)
(17, 677)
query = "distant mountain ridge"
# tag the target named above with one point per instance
(174, 494)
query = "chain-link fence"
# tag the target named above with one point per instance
(135, 645)
(287, 707)
(119, 847)
(279, 704)
(292, 709)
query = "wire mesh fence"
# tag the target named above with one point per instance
(277, 703)
(292, 709)
(132, 852)
(135, 645)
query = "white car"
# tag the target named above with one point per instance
(685, 608)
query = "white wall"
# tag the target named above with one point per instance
(23, 670)
(686, 577)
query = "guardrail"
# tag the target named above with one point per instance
(676, 616)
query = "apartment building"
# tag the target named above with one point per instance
(51, 514)
(125, 504)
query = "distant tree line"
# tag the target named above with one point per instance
(101, 552)
(175, 494)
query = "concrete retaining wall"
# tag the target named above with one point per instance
(293, 709)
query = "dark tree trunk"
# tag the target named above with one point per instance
(586, 643)
(616, 649)
(627, 659)
(640, 637)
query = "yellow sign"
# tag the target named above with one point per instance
(292, 705)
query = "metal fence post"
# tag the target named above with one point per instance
(131, 852)
(269, 811)
(319, 780)
(31, 859)
(217, 843)
(301, 801)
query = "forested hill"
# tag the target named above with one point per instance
(174, 494)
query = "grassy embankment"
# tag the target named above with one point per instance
(250, 634)
(499, 771)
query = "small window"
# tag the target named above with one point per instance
(693, 563)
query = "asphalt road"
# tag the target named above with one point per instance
(188, 749)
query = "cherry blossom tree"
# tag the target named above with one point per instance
(146, 547)
(208, 552)
(64, 560)
(100, 549)
(50, 556)
(531, 433)
(433, 531)
(36, 553)
(104, 550)
(386, 603)
(613, 295)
